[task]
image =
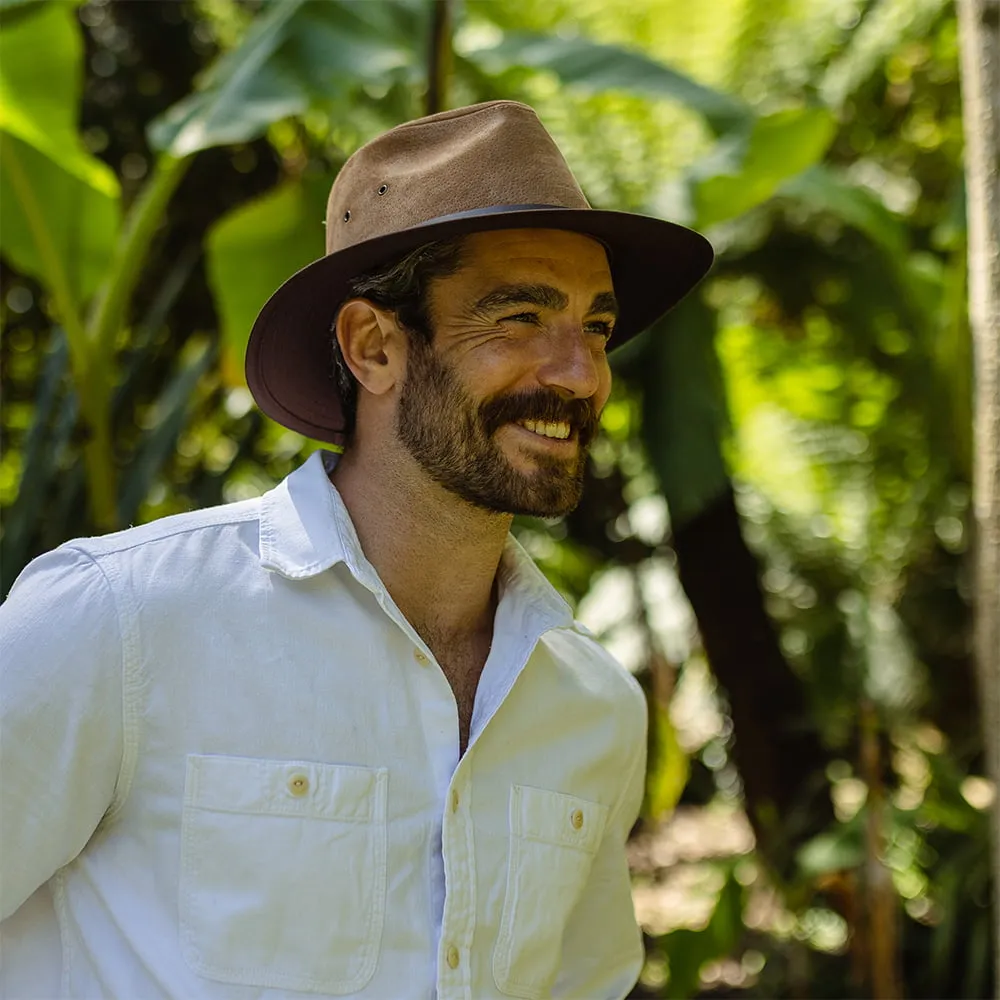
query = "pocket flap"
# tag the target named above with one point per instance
(556, 818)
(343, 792)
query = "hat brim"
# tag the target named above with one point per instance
(654, 264)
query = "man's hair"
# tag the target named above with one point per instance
(401, 286)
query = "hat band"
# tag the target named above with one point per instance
(475, 213)
(494, 210)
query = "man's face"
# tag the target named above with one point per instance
(501, 408)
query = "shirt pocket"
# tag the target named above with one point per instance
(553, 840)
(283, 872)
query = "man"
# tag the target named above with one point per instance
(345, 740)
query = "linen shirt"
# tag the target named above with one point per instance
(231, 769)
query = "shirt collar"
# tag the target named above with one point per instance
(300, 523)
(305, 529)
(541, 601)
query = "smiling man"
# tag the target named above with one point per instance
(346, 740)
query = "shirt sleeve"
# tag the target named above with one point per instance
(602, 946)
(60, 717)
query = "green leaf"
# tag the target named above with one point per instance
(60, 204)
(10, 9)
(171, 413)
(688, 950)
(253, 249)
(824, 189)
(684, 409)
(919, 276)
(52, 421)
(594, 66)
(726, 923)
(40, 73)
(841, 848)
(55, 227)
(668, 769)
(745, 171)
(296, 55)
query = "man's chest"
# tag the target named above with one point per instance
(462, 665)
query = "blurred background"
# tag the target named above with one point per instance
(774, 532)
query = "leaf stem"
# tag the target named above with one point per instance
(108, 312)
(94, 394)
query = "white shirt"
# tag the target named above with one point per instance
(230, 769)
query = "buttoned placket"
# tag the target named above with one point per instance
(458, 924)
(514, 641)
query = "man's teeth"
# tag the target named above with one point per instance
(549, 429)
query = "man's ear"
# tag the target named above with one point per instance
(372, 344)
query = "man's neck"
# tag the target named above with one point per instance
(436, 554)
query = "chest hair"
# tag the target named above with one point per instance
(462, 663)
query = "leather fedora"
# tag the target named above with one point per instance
(485, 167)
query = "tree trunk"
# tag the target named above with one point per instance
(979, 28)
(778, 757)
(439, 57)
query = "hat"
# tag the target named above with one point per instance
(485, 167)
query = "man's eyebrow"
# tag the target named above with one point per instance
(605, 302)
(546, 296)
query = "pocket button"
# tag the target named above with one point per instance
(453, 957)
(576, 818)
(298, 785)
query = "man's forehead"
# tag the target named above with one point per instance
(571, 262)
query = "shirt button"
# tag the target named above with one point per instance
(421, 658)
(454, 801)
(576, 818)
(298, 785)
(453, 958)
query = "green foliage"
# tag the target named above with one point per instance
(668, 766)
(684, 415)
(60, 203)
(687, 951)
(253, 250)
(295, 56)
(583, 63)
(747, 169)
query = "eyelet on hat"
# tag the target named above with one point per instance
(383, 188)
(347, 216)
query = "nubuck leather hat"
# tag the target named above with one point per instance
(485, 167)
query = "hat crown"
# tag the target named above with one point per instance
(477, 157)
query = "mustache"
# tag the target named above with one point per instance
(543, 406)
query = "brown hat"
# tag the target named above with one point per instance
(485, 167)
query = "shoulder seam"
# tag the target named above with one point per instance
(98, 546)
(129, 710)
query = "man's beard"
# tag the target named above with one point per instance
(453, 440)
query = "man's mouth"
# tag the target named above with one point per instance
(558, 429)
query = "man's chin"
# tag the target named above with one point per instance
(540, 499)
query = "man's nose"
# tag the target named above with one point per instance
(571, 366)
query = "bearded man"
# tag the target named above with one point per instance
(345, 739)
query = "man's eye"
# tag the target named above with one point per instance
(521, 318)
(602, 327)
